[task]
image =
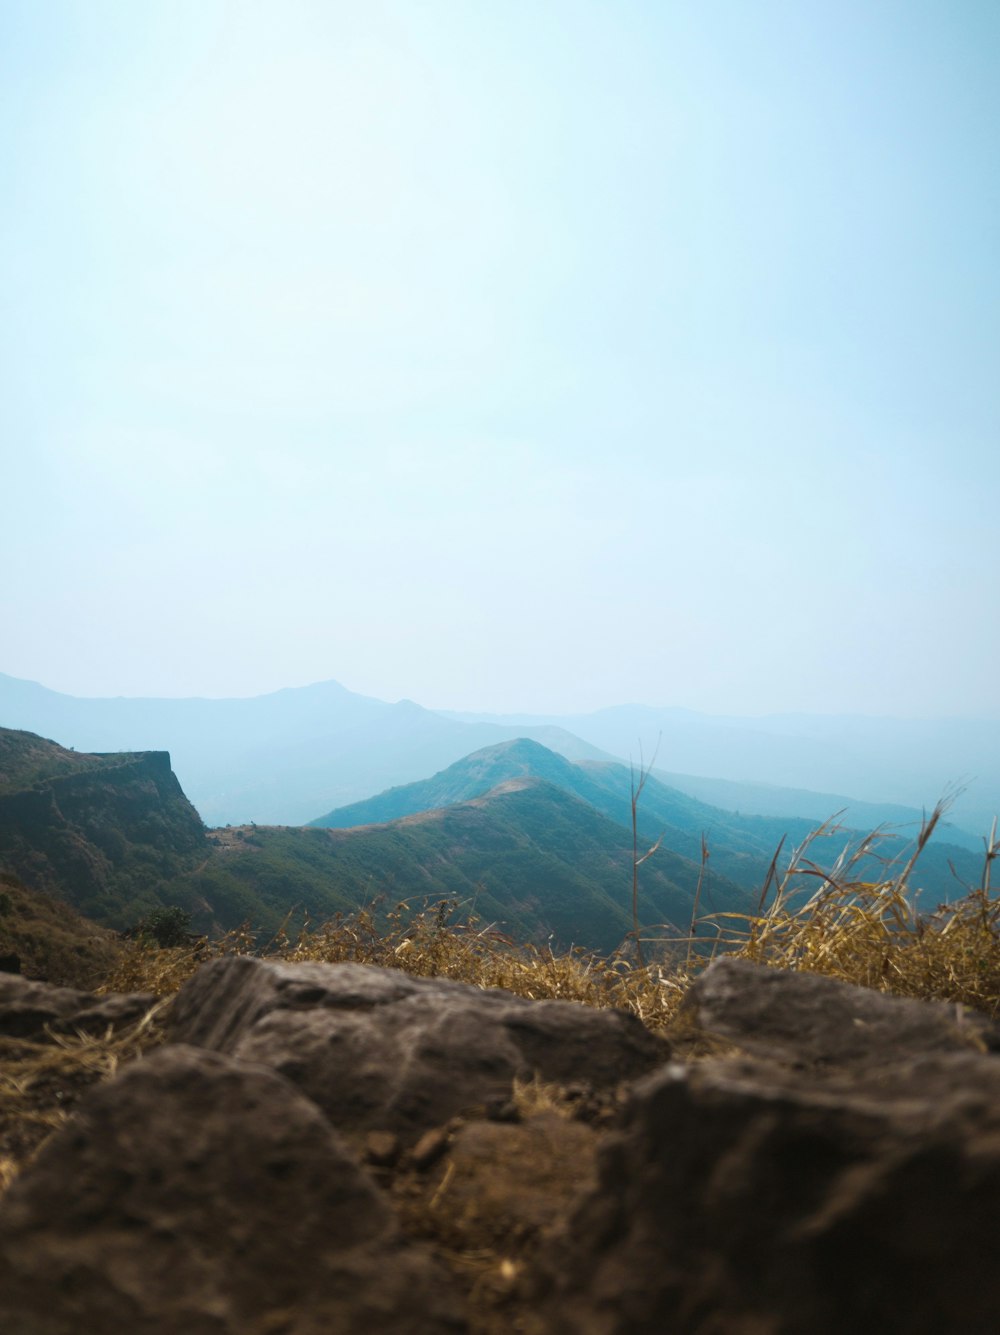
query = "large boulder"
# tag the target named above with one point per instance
(811, 1020)
(28, 1009)
(854, 1184)
(379, 1049)
(201, 1194)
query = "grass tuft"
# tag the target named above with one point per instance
(873, 934)
(41, 1080)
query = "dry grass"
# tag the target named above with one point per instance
(436, 941)
(872, 933)
(42, 1079)
(825, 921)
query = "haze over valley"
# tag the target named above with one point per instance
(287, 757)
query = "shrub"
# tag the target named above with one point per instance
(167, 927)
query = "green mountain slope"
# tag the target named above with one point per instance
(534, 859)
(45, 938)
(470, 777)
(101, 832)
(740, 846)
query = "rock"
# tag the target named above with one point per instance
(750, 1195)
(27, 1008)
(806, 1018)
(842, 1172)
(380, 1050)
(200, 1194)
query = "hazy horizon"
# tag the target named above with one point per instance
(523, 358)
(524, 715)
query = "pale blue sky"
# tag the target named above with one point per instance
(522, 355)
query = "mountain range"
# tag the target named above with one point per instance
(905, 762)
(277, 758)
(115, 837)
(740, 846)
(533, 844)
(287, 756)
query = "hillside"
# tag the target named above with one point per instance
(103, 833)
(27, 760)
(42, 937)
(740, 847)
(527, 855)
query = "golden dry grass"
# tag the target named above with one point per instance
(435, 941)
(871, 933)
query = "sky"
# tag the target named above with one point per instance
(533, 356)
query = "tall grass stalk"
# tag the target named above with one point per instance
(636, 788)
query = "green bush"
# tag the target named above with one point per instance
(166, 926)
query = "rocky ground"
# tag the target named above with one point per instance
(301, 1149)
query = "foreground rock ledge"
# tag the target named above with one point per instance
(844, 1178)
(202, 1195)
(809, 1020)
(379, 1049)
(841, 1172)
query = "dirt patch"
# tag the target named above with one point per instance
(489, 1200)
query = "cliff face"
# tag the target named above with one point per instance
(101, 837)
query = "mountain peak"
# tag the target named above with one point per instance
(472, 777)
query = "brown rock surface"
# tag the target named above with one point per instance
(200, 1194)
(841, 1174)
(27, 1008)
(749, 1195)
(377, 1049)
(808, 1019)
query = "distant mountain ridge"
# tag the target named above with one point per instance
(286, 756)
(468, 778)
(906, 762)
(276, 758)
